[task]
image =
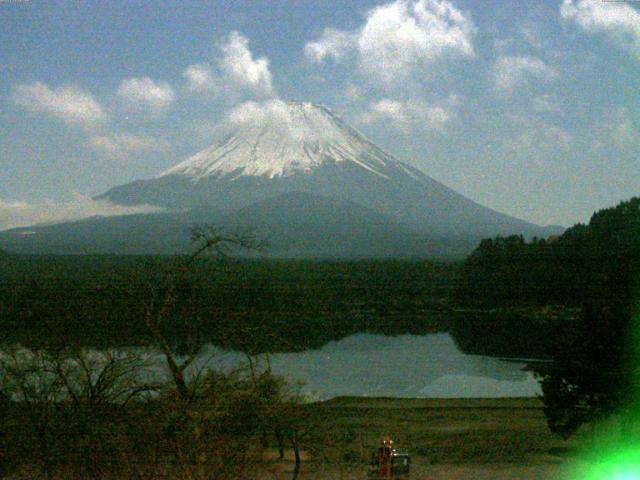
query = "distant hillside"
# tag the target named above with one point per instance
(295, 225)
(305, 225)
(570, 268)
(156, 233)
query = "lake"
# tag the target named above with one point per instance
(428, 366)
(372, 365)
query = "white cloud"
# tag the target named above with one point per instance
(259, 112)
(333, 43)
(200, 78)
(536, 140)
(240, 69)
(510, 72)
(144, 93)
(399, 46)
(619, 21)
(235, 75)
(123, 145)
(23, 214)
(400, 38)
(436, 117)
(393, 110)
(69, 103)
(280, 117)
(407, 115)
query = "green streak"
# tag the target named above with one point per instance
(615, 457)
(623, 464)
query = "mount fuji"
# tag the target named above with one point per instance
(300, 175)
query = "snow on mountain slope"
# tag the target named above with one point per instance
(298, 175)
(291, 138)
(274, 148)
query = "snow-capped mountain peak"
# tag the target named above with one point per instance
(285, 159)
(280, 139)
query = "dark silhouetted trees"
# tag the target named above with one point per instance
(595, 267)
(571, 269)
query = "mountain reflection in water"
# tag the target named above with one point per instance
(363, 364)
(393, 366)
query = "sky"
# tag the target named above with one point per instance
(530, 107)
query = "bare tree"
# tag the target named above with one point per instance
(283, 410)
(201, 409)
(207, 239)
(97, 378)
(65, 398)
(5, 459)
(28, 378)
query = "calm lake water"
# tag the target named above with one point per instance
(427, 366)
(393, 366)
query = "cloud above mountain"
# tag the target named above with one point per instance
(121, 146)
(257, 113)
(437, 82)
(238, 65)
(407, 115)
(399, 39)
(515, 71)
(200, 78)
(279, 116)
(618, 21)
(236, 71)
(146, 94)
(69, 103)
(79, 108)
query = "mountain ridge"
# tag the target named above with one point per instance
(279, 154)
(300, 175)
(283, 144)
(355, 232)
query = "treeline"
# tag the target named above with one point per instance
(570, 269)
(594, 268)
(284, 305)
(74, 413)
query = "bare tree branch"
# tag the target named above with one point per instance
(206, 239)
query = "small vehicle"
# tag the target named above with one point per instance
(388, 463)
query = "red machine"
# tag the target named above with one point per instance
(387, 463)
